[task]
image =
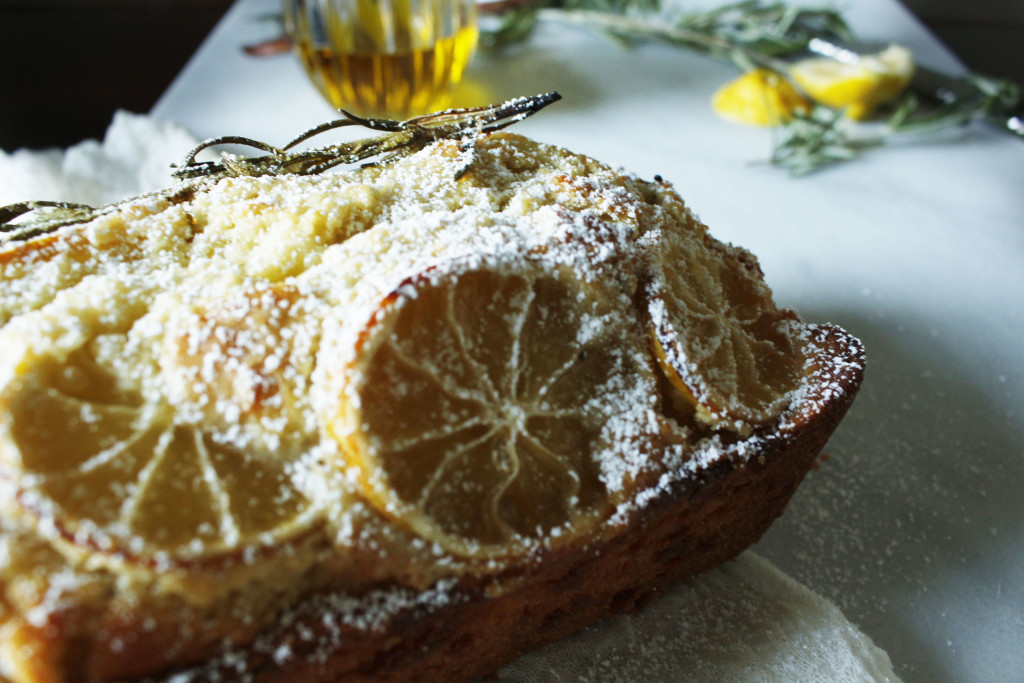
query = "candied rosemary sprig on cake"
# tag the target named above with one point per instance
(400, 138)
(49, 216)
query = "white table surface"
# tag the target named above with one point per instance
(914, 526)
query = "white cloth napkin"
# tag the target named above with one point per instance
(743, 622)
(134, 157)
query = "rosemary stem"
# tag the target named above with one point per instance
(658, 29)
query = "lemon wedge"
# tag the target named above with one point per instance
(860, 86)
(760, 97)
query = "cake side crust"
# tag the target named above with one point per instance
(696, 524)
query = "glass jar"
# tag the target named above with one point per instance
(383, 58)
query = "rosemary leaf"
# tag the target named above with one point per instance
(815, 140)
(508, 22)
(746, 32)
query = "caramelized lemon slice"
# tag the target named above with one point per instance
(113, 472)
(721, 342)
(241, 363)
(493, 407)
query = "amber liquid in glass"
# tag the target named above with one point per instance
(358, 73)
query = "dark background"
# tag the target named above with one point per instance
(51, 52)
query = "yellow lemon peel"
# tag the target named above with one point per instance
(858, 87)
(760, 97)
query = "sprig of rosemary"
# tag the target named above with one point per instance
(400, 138)
(816, 139)
(752, 34)
(48, 217)
(746, 33)
(508, 22)
(823, 137)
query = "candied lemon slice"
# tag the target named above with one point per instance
(860, 86)
(114, 473)
(760, 97)
(491, 407)
(725, 348)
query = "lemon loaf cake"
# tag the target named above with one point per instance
(402, 422)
